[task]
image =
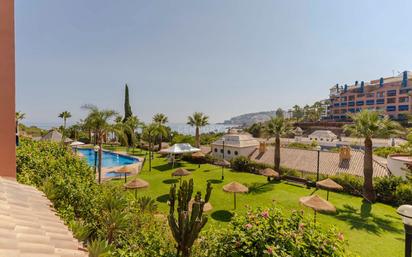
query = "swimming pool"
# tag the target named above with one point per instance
(109, 159)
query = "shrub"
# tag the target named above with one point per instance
(244, 164)
(403, 194)
(270, 233)
(301, 146)
(385, 151)
(385, 188)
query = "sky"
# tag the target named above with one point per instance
(220, 57)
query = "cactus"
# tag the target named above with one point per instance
(186, 226)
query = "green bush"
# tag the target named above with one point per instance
(301, 146)
(385, 188)
(244, 164)
(387, 150)
(403, 194)
(270, 233)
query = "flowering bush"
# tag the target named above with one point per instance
(269, 233)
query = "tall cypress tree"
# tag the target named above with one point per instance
(127, 108)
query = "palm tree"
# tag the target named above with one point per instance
(367, 125)
(98, 122)
(160, 120)
(149, 132)
(198, 120)
(277, 127)
(64, 115)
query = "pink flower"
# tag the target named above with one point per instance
(340, 236)
(248, 226)
(265, 214)
(270, 250)
(301, 226)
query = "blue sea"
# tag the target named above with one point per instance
(182, 128)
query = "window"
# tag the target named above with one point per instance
(343, 104)
(370, 95)
(342, 117)
(359, 103)
(351, 98)
(404, 91)
(380, 94)
(360, 95)
(391, 108)
(336, 104)
(391, 100)
(229, 152)
(221, 150)
(343, 111)
(351, 110)
(215, 150)
(351, 103)
(403, 107)
(380, 101)
(403, 99)
(391, 92)
(344, 98)
(236, 153)
(370, 102)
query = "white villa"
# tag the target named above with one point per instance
(323, 135)
(235, 144)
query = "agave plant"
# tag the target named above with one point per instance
(99, 248)
(146, 203)
(114, 222)
(80, 230)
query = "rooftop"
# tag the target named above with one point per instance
(329, 162)
(29, 227)
(237, 140)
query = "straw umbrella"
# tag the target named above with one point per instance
(125, 169)
(198, 155)
(223, 163)
(269, 173)
(317, 204)
(328, 184)
(180, 172)
(207, 207)
(235, 187)
(136, 184)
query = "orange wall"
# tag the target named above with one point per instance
(7, 90)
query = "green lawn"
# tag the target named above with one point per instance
(371, 230)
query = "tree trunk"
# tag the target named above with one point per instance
(277, 153)
(100, 161)
(368, 191)
(160, 142)
(197, 137)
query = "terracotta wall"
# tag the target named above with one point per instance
(7, 90)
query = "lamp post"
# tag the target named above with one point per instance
(318, 148)
(96, 149)
(223, 166)
(406, 212)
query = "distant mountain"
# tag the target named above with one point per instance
(250, 118)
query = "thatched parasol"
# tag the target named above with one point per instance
(328, 184)
(126, 169)
(269, 173)
(198, 155)
(180, 172)
(317, 204)
(207, 207)
(235, 187)
(136, 184)
(223, 163)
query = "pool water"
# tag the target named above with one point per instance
(109, 159)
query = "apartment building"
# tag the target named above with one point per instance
(389, 95)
